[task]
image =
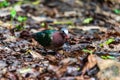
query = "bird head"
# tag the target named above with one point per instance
(64, 32)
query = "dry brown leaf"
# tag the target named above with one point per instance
(68, 61)
(51, 58)
(53, 68)
(61, 70)
(58, 70)
(34, 43)
(76, 78)
(117, 29)
(11, 76)
(6, 25)
(35, 54)
(91, 63)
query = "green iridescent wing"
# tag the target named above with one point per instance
(44, 37)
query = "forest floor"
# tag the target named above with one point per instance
(94, 44)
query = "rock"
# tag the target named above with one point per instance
(109, 69)
(2, 64)
(70, 13)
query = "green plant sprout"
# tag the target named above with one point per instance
(87, 20)
(13, 13)
(101, 44)
(108, 42)
(21, 18)
(4, 3)
(108, 57)
(87, 51)
(19, 28)
(116, 11)
(42, 24)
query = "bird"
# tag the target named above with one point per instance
(52, 39)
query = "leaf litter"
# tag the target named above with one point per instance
(94, 32)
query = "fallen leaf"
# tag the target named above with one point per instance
(68, 61)
(35, 54)
(87, 20)
(90, 64)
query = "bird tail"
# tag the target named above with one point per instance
(25, 34)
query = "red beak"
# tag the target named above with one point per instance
(67, 37)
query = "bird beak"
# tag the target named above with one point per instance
(67, 37)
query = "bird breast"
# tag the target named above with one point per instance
(57, 39)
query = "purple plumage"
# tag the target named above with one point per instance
(58, 39)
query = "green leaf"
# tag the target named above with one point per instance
(36, 2)
(101, 44)
(104, 57)
(117, 11)
(87, 51)
(42, 24)
(78, 68)
(19, 28)
(21, 19)
(110, 57)
(4, 3)
(109, 41)
(87, 20)
(13, 13)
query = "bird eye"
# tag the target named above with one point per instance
(64, 30)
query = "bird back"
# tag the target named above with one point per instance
(44, 37)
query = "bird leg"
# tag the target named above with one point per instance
(66, 47)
